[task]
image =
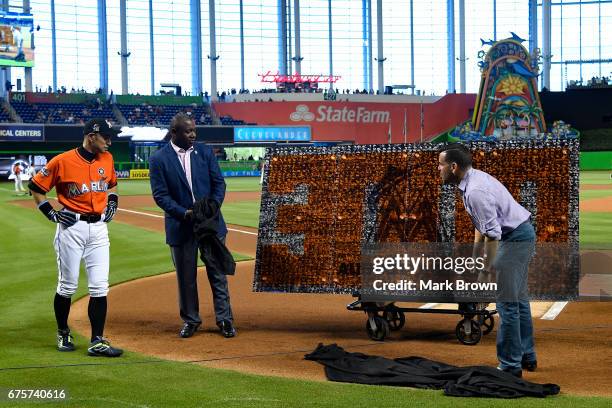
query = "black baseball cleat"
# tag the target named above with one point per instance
(189, 329)
(529, 365)
(227, 328)
(101, 347)
(64, 340)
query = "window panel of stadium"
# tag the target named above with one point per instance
(580, 44)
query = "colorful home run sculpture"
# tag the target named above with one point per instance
(508, 103)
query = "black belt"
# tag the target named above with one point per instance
(90, 218)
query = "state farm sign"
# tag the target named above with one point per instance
(327, 113)
(361, 122)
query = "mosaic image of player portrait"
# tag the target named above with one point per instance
(320, 206)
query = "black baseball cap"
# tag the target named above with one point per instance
(102, 126)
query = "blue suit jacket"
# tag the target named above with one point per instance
(171, 191)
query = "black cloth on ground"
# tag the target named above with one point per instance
(418, 372)
(213, 251)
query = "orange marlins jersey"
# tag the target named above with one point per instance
(80, 185)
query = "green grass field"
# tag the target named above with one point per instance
(142, 187)
(596, 177)
(596, 230)
(28, 358)
(596, 227)
(589, 194)
(245, 213)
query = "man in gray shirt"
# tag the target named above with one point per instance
(509, 240)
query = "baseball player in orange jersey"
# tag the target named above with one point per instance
(86, 185)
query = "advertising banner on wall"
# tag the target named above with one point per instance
(272, 134)
(22, 133)
(139, 173)
(242, 173)
(33, 97)
(361, 122)
(122, 174)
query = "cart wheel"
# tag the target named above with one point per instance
(487, 323)
(377, 328)
(395, 318)
(468, 332)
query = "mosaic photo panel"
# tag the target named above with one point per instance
(321, 206)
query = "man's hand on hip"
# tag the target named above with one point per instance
(67, 219)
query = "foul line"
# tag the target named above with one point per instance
(554, 311)
(428, 306)
(243, 232)
(551, 314)
(161, 216)
(141, 213)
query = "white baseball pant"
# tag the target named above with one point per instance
(18, 184)
(82, 241)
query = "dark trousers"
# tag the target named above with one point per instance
(185, 258)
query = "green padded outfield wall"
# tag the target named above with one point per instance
(595, 160)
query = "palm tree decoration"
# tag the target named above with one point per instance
(529, 112)
(498, 116)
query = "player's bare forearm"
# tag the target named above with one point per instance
(478, 244)
(38, 198)
(490, 251)
(112, 190)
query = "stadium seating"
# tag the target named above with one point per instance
(159, 115)
(61, 113)
(4, 116)
(229, 121)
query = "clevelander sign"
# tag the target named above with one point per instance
(271, 133)
(22, 133)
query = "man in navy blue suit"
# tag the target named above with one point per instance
(183, 172)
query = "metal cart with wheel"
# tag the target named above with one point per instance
(386, 317)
